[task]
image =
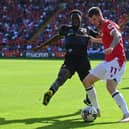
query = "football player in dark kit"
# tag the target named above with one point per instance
(76, 59)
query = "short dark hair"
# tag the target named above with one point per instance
(94, 11)
(76, 11)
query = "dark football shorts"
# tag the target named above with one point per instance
(79, 64)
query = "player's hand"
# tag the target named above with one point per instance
(108, 50)
(123, 20)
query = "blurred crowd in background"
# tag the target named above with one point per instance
(21, 19)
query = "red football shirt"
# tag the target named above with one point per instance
(107, 27)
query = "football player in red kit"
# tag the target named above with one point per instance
(113, 66)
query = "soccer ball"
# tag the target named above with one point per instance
(89, 113)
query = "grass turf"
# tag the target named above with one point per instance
(22, 84)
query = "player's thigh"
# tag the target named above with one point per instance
(111, 86)
(95, 74)
(99, 71)
(89, 80)
(83, 69)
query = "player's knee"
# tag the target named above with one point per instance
(110, 89)
(111, 86)
(63, 76)
(88, 81)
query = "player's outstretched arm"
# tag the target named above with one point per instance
(52, 40)
(95, 40)
(60, 7)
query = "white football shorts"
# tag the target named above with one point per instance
(109, 70)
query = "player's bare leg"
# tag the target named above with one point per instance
(91, 92)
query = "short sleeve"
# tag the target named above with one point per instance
(109, 28)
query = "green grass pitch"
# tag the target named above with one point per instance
(22, 84)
